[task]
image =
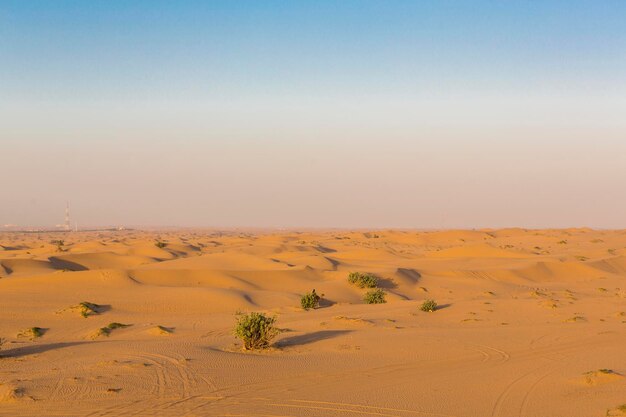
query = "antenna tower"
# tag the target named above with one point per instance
(67, 226)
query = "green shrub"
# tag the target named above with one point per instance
(106, 330)
(32, 333)
(160, 244)
(429, 306)
(87, 309)
(310, 300)
(363, 280)
(256, 330)
(376, 296)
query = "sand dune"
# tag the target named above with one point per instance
(475, 251)
(16, 267)
(530, 323)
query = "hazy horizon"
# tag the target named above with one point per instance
(348, 114)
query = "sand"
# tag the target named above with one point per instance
(530, 323)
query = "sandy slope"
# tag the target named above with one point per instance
(532, 323)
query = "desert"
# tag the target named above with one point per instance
(327, 208)
(528, 323)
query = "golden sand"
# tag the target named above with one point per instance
(529, 323)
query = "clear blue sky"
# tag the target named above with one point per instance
(294, 113)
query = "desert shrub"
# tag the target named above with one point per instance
(60, 244)
(160, 244)
(106, 330)
(256, 330)
(429, 306)
(87, 309)
(363, 280)
(32, 333)
(376, 296)
(310, 300)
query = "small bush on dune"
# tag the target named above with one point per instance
(32, 333)
(159, 244)
(106, 331)
(429, 306)
(256, 330)
(363, 280)
(310, 300)
(87, 309)
(376, 296)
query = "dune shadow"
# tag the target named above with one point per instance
(159, 259)
(411, 274)
(101, 308)
(58, 263)
(325, 249)
(249, 299)
(386, 284)
(7, 270)
(335, 263)
(282, 262)
(310, 337)
(35, 349)
(403, 296)
(8, 248)
(325, 303)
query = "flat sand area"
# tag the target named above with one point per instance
(531, 323)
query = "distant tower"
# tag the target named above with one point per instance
(67, 226)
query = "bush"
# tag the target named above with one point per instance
(60, 244)
(363, 280)
(87, 309)
(429, 306)
(310, 300)
(376, 296)
(159, 244)
(256, 330)
(106, 331)
(32, 333)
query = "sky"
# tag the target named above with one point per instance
(368, 114)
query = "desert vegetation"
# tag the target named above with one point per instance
(429, 306)
(106, 330)
(256, 330)
(31, 333)
(87, 309)
(363, 280)
(376, 296)
(310, 300)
